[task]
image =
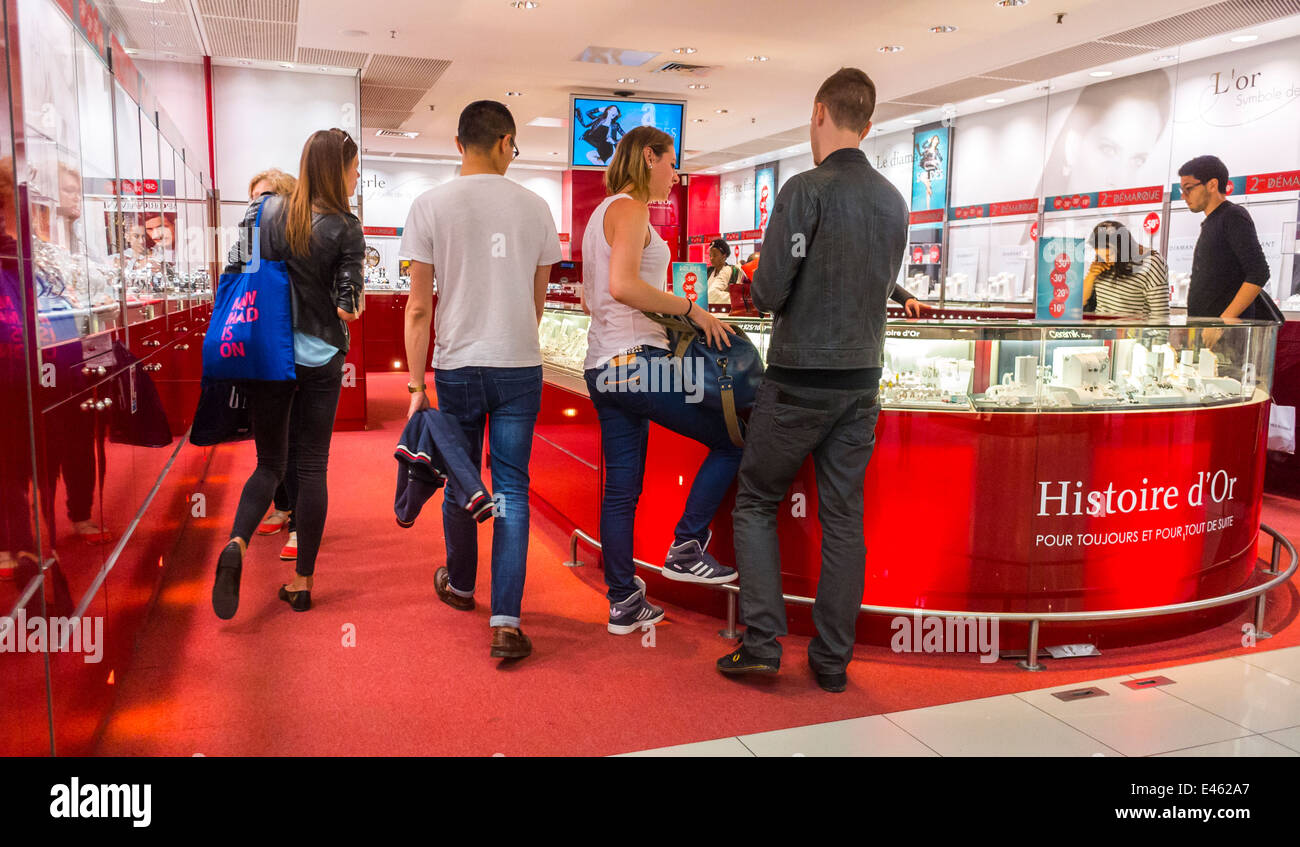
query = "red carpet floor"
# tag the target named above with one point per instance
(419, 680)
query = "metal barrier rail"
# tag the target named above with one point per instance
(1034, 619)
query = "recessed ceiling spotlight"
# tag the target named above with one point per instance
(524, 4)
(943, 28)
(890, 48)
(553, 153)
(996, 100)
(1167, 57)
(686, 50)
(162, 24)
(1100, 74)
(325, 69)
(697, 85)
(912, 121)
(514, 94)
(1243, 39)
(1007, 4)
(286, 64)
(755, 58)
(697, 120)
(719, 111)
(628, 80)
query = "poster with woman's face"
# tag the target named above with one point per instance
(930, 169)
(1110, 135)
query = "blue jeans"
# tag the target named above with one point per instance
(506, 401)
(625, 417)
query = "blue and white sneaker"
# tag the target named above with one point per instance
(690, 562)
(634, 613)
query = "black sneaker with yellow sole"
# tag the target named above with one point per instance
(741, 661)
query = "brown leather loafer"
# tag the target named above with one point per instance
(510, 645)
(442, 584)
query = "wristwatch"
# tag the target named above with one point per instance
(415, 389)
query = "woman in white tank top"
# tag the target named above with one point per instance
(632, 380)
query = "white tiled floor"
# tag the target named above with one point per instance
(1247, 706)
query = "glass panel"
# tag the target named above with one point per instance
(99, 174)
(53, 147)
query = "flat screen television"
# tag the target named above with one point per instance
(598, 124)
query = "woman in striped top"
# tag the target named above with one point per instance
(1127, 279)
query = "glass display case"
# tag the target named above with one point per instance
(1026, 366)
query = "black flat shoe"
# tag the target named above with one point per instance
(835, 683)
(225, 588)
(299, 601)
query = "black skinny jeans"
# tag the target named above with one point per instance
(310, 403)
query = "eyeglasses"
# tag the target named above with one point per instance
(513, 145)
(1189, 187)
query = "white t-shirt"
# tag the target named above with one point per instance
(485, 236)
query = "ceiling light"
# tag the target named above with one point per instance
(890, 48)
(628, 80)
(697, 120)
(159, 23)
(548, 122)
(514, 94)
(1007, 4)
(686, 50)
(286, 64)
(1167, 57)
(353, 33)
(912, 121)
(755, 58)
(131, 51)
(1243, 39)
(719, 111)
(241, 61)
(553, 153)
(154, 2)
(697, 85)
(1100, 74)
(523, 4)
(996, 100)
(943, 28)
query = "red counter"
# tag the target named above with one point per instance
(953, 511)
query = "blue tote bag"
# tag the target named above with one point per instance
(251, 334)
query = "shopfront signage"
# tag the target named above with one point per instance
(764, 194)
(1060, 280)
(691, 280)
(931, 216)
(995, 210)
(91, 26)
(751, 235)
(382, 230)
(1102, 199)
(1151, 224)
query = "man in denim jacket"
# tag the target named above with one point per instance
(831, 256)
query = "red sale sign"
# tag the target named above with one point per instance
(1151, 223)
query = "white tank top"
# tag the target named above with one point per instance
(614, 326)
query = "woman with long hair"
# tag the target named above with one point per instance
(1128, 280)
(603, 132)
(314, 232)
(627, 265)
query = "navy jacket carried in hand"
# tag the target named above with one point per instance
(432, 449)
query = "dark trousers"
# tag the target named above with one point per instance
(312, 402)
(837, 428)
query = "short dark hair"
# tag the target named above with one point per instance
(483, 122)
(849, 96)
(1206, 168)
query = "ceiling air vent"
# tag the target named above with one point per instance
(683, 69)
(395, 133)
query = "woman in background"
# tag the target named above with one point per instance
(315, 233)
(1127, 279)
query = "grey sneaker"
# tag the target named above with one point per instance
(690, 562)
(634, 613)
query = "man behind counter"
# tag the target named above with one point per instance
(1228, 266)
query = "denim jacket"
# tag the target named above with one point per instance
(830, 260)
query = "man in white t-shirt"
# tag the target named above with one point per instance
(491, 243)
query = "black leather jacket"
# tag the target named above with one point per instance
(830, 260)
(329, 277)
